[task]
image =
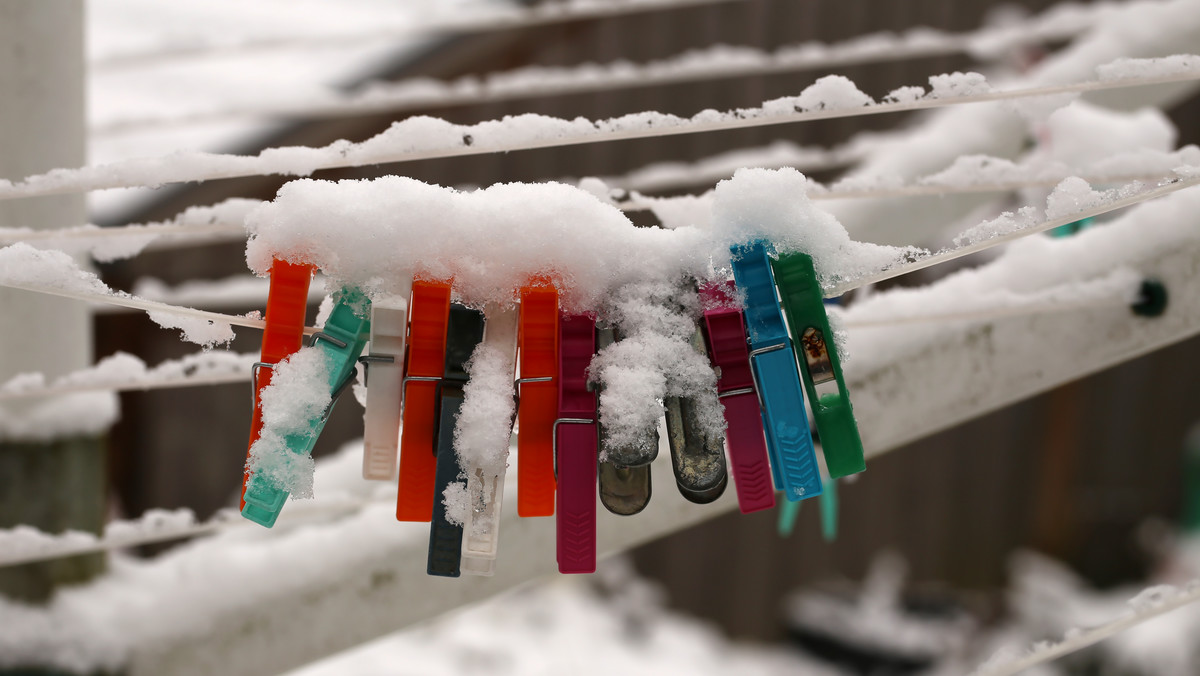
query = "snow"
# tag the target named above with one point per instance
(123, 370)
(71, 415)
(950, 85)
(206, 332)
(1178, 64)
(298, 395)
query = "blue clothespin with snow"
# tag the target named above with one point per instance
(773, 364)
(341, 341)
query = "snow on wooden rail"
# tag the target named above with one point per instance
(419, 138)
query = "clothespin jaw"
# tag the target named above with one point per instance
(385, 389)
(820, 365)
(773, 364)
(576, 440)
(342, 341)
(697, 460)
(724, 333)
(537, 343)
(464, 332)
(485, 486)
(287, 302)
(429, 312)
(625, 489)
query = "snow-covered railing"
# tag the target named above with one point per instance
(421, 138)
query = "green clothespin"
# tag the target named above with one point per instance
(342, 341)
(820, 368)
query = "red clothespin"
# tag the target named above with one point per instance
(538, 344)
(576, 446)
(429, 312)
(287, 302)
(725, 334)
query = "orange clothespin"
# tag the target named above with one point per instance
(287, 302)
(429, 312)
(538, 391)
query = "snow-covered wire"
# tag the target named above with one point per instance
(124, 372)
(457, 21)
(419, 138)
(25, 544)
(1151, 603)
(987, 314)
(715, 62)
(946, 255)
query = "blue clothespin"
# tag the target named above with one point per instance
(788, 512)
(342, 340)
(773, 361)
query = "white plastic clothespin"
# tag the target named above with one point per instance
(385, 374)
(481, 530)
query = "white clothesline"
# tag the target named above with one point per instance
(1141, 610)
(476, 20)
(428, 138)
(715, 62)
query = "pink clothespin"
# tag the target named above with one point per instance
(576, 446)
(725, 335)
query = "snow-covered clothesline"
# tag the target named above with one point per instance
(495, 17)
(124, 372)
(56, 273)
(1149, 604)
(419, 138)
(714, 62)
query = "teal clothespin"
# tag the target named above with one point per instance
(788, 512)
(820, 366)
(342, 341)
(1072, 228)
(773, 365)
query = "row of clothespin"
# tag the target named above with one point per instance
(416, 376)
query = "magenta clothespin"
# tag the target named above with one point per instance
(725, 335)
(576, 446)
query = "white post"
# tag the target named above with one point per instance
(51, 483)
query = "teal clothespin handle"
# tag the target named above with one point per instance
(788, 511)
(342, 341)
(820, 366)
(773, 364)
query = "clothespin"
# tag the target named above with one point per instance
(624, 489)
(697, 461)
(821, 369)
(429, 311)
(485, 488)
(287, 302)
(725, 333)
(576, 446)
(773, 365)
(537, 389)
(385, 388)
(342, 340)
(463, 333)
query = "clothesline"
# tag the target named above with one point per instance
(715, 62)
(427, 138)
(476, 20)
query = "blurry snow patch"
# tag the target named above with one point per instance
(206, 332)
(297, 396)
(78, 414)
(906, 94)
(566, 626)
(1178, 64)
(24, 265)
(1083, 133)
(832, 92)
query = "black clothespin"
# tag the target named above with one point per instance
(464, 332)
